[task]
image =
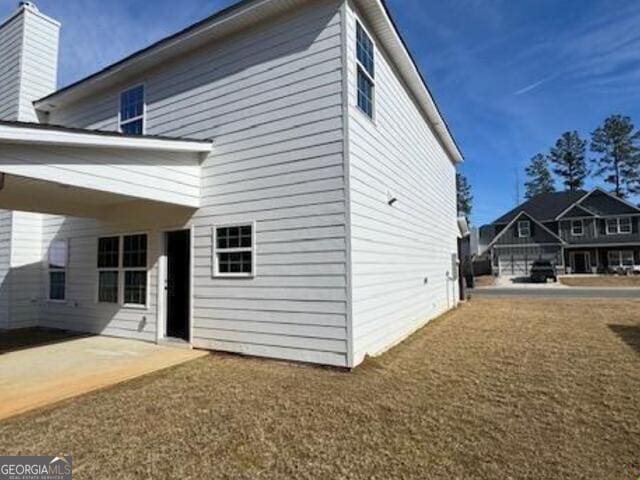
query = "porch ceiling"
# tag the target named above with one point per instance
(73, 172)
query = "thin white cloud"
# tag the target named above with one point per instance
(533, 86)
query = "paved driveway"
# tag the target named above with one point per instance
(568, 293)
(33, 376)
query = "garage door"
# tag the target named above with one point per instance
(520, 265)
(514, 266)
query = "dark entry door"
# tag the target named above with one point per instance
(178, 277)
(580, 262)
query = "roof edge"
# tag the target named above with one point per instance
(423, 95)
(439, 123)
(34, 133)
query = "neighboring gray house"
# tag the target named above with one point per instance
(275, 180)
(580, 232)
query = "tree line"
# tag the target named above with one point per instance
(615, 159)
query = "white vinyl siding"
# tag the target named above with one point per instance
(39, 62)
(401, 253)
(271, 99)
(81, 312)
(26, 269)
(10, 57)
(28, 63)
(5, 262)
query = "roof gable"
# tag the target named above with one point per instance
(576, 212)
(604, 204)
(539, 233)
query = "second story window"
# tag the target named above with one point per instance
(617, 226)
(577, 228)
(365, 53)
(132, 111)
(524, 229)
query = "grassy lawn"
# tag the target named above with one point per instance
(498, 389)
(601, 281)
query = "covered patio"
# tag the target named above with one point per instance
(41, 367)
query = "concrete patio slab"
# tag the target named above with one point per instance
(34, 377)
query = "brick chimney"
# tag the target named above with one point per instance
(28, 61)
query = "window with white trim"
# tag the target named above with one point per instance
(234, 251)
(577, 228)
(132, 111)
(365, 59)
(620, 259)
(58, 258)
(122, 267)
(108, 266)
(524, 229)
(619, 226)
(134, 266)
(624, 225)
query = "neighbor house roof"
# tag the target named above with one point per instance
(544, 207)
(242, 15)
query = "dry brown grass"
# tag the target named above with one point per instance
(498, 389)
(485, 281)
(601, 281)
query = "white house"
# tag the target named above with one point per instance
(275, 180)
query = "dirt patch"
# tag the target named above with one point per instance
(520, 388)
(485, 281)
(602, 281)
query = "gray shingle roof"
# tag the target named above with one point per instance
(544, 207)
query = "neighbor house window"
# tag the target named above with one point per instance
(619, 226)
(58, 257)
(122, 266)
(234, 250)
(577, 228)
(132, 111)
(620, 259)
(365, 54)
(524, 229)
(624, 225)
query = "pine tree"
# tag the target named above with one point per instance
(465, 199)
(539, 177)
(568, 158)
(617, 143)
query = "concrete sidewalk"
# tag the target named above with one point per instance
(34, 377)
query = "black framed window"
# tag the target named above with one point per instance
(132, 111)
(122, 266)
(58, 259)
(57, 284)
(365, 59)
(234, 250)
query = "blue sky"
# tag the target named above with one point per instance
(510, 76)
